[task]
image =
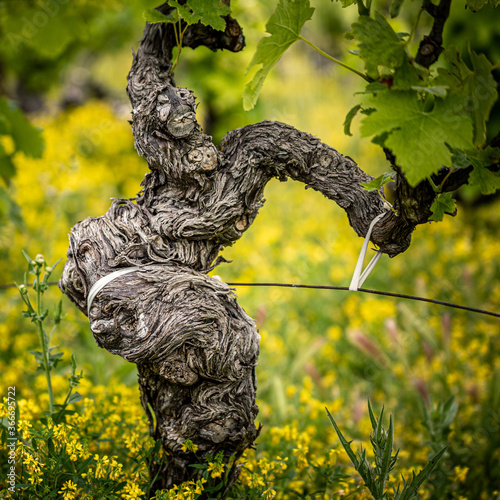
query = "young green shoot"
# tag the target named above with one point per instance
(376, 476)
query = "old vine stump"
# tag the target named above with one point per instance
(195, 348)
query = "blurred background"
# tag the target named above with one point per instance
(64, 64)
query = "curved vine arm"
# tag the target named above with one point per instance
(217, 192)
(273, 149)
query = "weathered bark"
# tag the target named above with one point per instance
(195, 348)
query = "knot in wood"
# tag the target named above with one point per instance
(427, 49)
(176, 108)
(242, 224)
(205, 157)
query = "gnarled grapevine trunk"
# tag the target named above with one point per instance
(195, 348)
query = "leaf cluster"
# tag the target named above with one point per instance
(428, 119)
(207, 12)
(424, 118)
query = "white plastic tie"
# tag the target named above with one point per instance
(359, 277)
(102, 282)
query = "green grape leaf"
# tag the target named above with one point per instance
(476, 157)
(378, 182)
(373, 88)
(443, 204)
(10, 209)
(379, 140)
(395, 7)
(487, 180)
(27, 138)
(483, 94)
(208, 12)
(475, 5)
(416, 137)
(407, 76)
(346, 3)
(284, 26)
(477, 85)
(153, 16)
(379, 44)
(349, 117)
(438, 90)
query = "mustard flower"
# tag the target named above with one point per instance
(199, 486)
(131, 491)
(132, 442)
(69, 490)
(35, 477)
(301, 453)
(116, 469)
(265, 466)
(101, 468)
(461, 473)
(188, 445)
(216, 469)
(73, 449)
(256, 481)
(269, 494)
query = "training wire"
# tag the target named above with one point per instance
(375, 292)
(345, 288)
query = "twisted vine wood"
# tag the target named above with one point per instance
(195, 348)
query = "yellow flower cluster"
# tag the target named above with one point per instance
(132, 491)
(188, 490)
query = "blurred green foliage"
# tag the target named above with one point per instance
(41, 38)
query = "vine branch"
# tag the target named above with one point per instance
(431, 46)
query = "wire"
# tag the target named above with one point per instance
(375, 292)
(345, 288)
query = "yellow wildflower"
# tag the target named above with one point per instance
(131, 491)
(301, 451)
(216, 469)
(69, 490)
(265, 466)
(199, 486)
(73, 449)
(132, 442)
(116, 469)
(269, 494)
(188, 445)
(101, 469)
(461, 473)
(256, 480)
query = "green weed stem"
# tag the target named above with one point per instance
(43, 338)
